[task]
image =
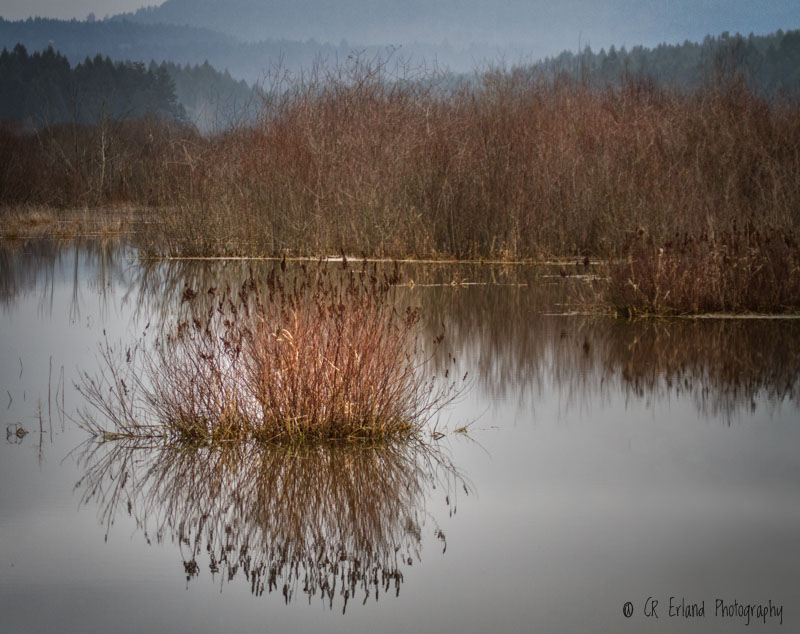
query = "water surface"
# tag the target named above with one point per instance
(606, 462)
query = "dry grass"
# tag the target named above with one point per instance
(36, 221)
(321, 353)
(366, 160)
(743, 270)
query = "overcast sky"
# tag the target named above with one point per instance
(66, 9)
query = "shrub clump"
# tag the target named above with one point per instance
(318, 354)
(747, 269)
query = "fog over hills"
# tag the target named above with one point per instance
(125, 40)
(250, 37)
(533, 27)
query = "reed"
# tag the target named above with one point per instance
(313, 354)
(738, 270)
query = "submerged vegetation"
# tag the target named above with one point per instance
(315, 354)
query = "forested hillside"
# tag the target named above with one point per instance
(49, 86)
(128, 41)
(768, 63)
(43, 88)
(213, 100)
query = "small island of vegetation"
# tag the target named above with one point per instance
(319, 353)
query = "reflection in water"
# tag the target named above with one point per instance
(162, 283)
(341, 522)
(512, 342)
(567, 508)
(508, 328)
(38, 265)
(724, 366)
(505, 324)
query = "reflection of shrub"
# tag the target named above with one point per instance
(746, 269)
(333, 521)
(320, 354)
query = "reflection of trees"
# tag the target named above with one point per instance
(725, 365)
(161, 283)
(333, 521)
(36, 266)
(517, 347)
(507, 331)
(495, 330)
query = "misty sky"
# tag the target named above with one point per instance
(67, 9)
(547, 27)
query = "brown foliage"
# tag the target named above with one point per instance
(750, 269)
(372, 163)
(368, 162)
(312, 355)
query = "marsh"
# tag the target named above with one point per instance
(605, 461)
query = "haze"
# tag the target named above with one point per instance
(79, 9)
(523, 27)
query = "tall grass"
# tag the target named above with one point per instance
(747, 269)
(316, 355)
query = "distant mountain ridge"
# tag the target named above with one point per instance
(542, 26)
(125, 40)
(368, 21)
(771, 60)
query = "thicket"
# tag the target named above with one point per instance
(368, 163)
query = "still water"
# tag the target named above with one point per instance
(653, 464)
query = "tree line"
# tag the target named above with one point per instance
(768, 64)
(42, 88)
(124, 40)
